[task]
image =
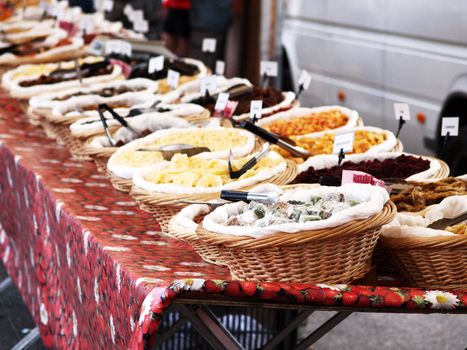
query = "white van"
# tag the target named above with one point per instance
(368, 54)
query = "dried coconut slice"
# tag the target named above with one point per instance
(126, 161)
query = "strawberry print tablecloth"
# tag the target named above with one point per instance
(97, 273)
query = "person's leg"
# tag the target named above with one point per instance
(170, 42)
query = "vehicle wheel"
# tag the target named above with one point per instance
(456, 153)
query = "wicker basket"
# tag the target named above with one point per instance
(151, 201)
(443, 172)
(399, 147)
(434, 262)
(120, 183)
(333, 255)
(208, 252)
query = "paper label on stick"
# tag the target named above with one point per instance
(107, 5)
(118, 47)
(402, 110)
(304, 80)
(220, 67)
(360, 177)
(230, 108)
(451, 125)
(156, 64)
(128, 10)
(344, 142)
(256, 107)
(208, 84)
(209, 45)
(172, 78)
(136, 16)
(141, 26)
(269, 68)
(222, 100)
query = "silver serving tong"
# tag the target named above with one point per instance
(237, 196)
(275, 139)
(168, 151)
(212, 205)
(153, 108)
(120, 119)
(443, 223)
(248, 165)
(106, 127)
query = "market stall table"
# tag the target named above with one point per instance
(97, 272)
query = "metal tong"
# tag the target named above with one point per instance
(275, 139)
(237, 196)
(168, 151)
(106, 127)
(116, 116)
(235, 174)
(152, 108)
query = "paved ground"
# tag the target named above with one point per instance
(359, 331)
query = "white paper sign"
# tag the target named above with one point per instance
(220, 67)
(43, 5)
(256, 107)
(343, 141)
(304, 80)
(221, 102)
(172, 78)
(136, 16)
(107, 5)
(208, 84)
(269, 68)
(156, 64)
(451, 125)
(128, 10)
(118, 47)
(209, 45)
(141, 26)
(86, 24)
(402, 110)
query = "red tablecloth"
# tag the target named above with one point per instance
(95, 271)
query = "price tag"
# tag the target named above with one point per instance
(221, 102)
(402, 110)
(172, 78)
(141, 26)
(343, 141)
(255, 109)
(269, 68)
(86, 24)
(304, 80)
(107, 5)
(220, 67)
(97, 47)
(43, 5)
(209, 45)
(230, 108)
(156, 64)
(118, 47)
(208, 84)
(136, 16)
(359, 177)
(128, 10)
(451, 125)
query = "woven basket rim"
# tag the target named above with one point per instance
(288, 239)
(441, 242)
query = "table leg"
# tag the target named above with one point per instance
(322, 330)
